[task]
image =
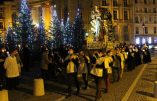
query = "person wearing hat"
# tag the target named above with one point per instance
(12, 70)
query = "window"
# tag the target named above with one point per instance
(125, 3)
(125, 15)
(150, 19)
(136, 19)
(154, 29)
(1, 15)
(153, 1)
(154, 10)
(137, 40)
(137, 30)
(1, 25)
(145, 1)
(145, 10)
(1, 9)
(146, 30)
(115, 2)
(104, 2)
(155, 20)
(115, 15)
(136, 1)
(126, 33)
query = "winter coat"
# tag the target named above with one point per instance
(11, 66)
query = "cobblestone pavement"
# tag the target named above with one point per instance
(144, 90)
(56, 91)
(116, 92)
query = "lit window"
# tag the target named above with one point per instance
(143, 40)
(149, 40)
(137, 41)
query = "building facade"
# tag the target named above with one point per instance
(145, 21)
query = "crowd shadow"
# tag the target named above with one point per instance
(146, 79)
(145, 93)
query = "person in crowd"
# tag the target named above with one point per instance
(131, 59)
(125, 55)
(45, 61)
(19, 62)
(122, 58)
(3, 56)
(12, 70)
(97, 73)
(83, 69)
(72, 71)
(108, 63)
(116, 65)
(26, 58)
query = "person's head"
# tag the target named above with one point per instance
(71, 51)
(110, 52)
(82, 53)
(13, 51)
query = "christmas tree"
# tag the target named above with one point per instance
(68, 35)
(41, 33)
(10, 38)
(63, 30)
(25, 23)
(16, 29)
(79, 34)
(55, 29)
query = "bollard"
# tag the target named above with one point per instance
(4, 95)
(39, 87)
(155, 89)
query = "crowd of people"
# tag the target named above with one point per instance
(107, 66)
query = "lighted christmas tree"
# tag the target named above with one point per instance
(55, 29)
(79, 34)
(16, 29)
(63, 30)
(25, 24)
(41, 33)
(68, 35)
(10, 38)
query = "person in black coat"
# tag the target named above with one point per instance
(3, 56)
(26, 58)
